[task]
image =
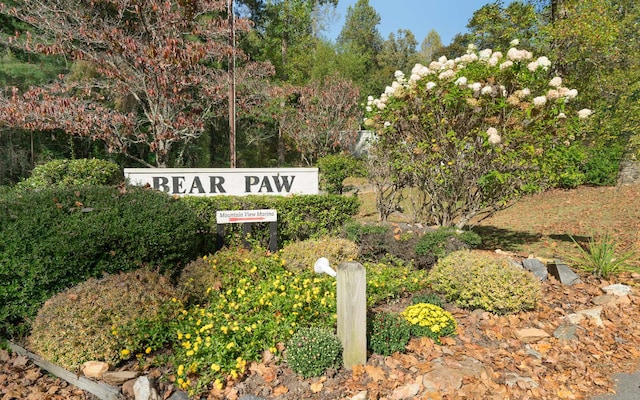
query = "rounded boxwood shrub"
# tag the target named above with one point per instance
(303, 255)
(107, 319)
(445, 240)
(476, 280)
(54, 238)
(310, 351)
(388, 333)
(80, 172)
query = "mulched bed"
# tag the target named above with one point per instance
(549, 368)
(21, 379)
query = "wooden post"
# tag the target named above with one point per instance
(352, 312)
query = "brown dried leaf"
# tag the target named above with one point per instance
(357, 371)
(32, 374)
(280, 390)
(317, 387)
(376, 373)
(231, 393)
(391, 362)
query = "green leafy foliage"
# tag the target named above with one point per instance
(388, 280)
(302, 255)
(82, 172)
(356, 230)
(310, 351)
(429, 298)
(53, 238)
(388, 333)
(255, 302)
(429, 320)
(385, 243)
(473, 280)
(445, 240)
(601, 257)
(603, 164)
(335, 168)
(107, 319)
(299, 217)
(471, 134)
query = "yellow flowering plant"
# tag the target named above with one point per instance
(255, 303)
(429, 320)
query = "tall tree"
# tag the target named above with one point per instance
(159, 71)
(494, 26)
(398, 53)
(431, 47)
(361, 41)
(319, 118)
(286, 34)
(596, 44)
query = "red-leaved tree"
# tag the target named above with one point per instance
(158, 70)
(319, 118)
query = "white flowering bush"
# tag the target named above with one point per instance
(471, 133)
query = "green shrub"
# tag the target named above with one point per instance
(310, 351)
(201, 279)
(335, 168)
(428, 320)
(603, 163)
(429, 298)
(384, 243)
(388, 333)
(303, 255)
(196, 280)
(386, 281)
(563, 165)
(299, 217)
(445, 240)
(107, 319)
(473, 280)
(373, 239)
(355, 231)
(81, 172)
(54, 238)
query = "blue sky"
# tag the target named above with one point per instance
(447, 17)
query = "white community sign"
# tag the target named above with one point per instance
(226, 181)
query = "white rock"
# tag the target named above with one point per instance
(143, 390)
(593, 313)
(617, 289)
(512, 379)
(360, 396)
(408, 391)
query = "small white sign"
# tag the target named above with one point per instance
(226, 181)
(245, 216)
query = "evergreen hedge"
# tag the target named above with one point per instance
(51, 239)
(299, 217)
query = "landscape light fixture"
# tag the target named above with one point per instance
(322, 267)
